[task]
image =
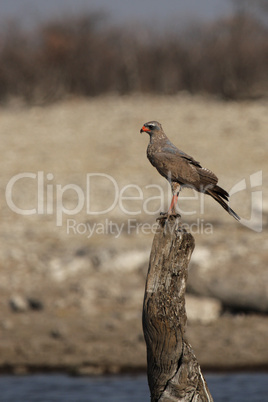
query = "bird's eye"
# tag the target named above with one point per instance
(151, 126)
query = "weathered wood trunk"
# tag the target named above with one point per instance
(173, 371)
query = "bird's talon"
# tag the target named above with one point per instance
(167, 215)
(162, 217)
(174, 215)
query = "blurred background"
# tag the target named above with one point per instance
(80, 199)
(53, 49)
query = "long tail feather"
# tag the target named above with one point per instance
(217, 193)
(221, 192)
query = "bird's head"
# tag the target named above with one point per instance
(152, 127)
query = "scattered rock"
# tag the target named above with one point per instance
(237, 288)
(35, 304)
(127, 262)
(56, 333)
(201, 256)
(61, 269)
(18, 304)
(202, 309)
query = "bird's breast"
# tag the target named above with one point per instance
(152, 154)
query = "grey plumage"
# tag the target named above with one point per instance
(181, 169)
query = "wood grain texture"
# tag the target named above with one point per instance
(173, 371)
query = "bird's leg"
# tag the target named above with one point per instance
(172, 209)
(175, 190)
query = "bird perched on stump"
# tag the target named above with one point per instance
(181, 170)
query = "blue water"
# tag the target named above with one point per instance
(61, 388)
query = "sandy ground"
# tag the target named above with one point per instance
(77, 227)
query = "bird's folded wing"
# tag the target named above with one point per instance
(207, 177)
(177, 166)
(175, 151)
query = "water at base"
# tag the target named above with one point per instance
(60, 388)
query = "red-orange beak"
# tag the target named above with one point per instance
(144, 129)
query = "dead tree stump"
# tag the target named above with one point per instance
(173, 371)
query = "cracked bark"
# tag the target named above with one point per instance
(172, 368)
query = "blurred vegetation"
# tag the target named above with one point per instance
(84, 57)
